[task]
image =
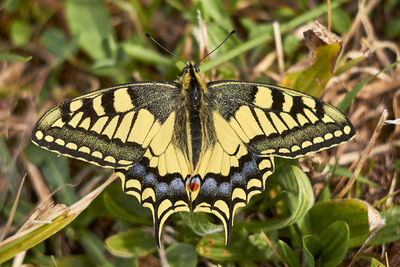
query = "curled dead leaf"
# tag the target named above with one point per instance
(311, 74)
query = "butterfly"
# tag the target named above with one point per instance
(192, 146)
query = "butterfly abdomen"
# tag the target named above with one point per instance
(195, 134)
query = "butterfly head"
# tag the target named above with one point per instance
(191, 67)
(191, 79)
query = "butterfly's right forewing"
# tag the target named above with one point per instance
(109, 127)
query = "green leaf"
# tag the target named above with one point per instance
(340, 171)
(200, 223)
(312, 249)
(217, 12)
(299, 195)
(143, 53)
(312, 79)
(348, 65)
(213, 247)
(392, 29)
(341, 21)
(20, 32)
(390, 232)
(288, 255)
(119, 212)
(334, 240)
(49, 220)
(285, 12)
(89, 19)
(11, 247)
(214, 38)
(133, 243)
(258, 240)
(10, 5)
(95, 248)
(57, 44)
(181, 255)
(329, 249)
(74, 260)
(290, 45)
(55, 171)
(354, 212)
(13, 57)
(376, 263)
(346, 102)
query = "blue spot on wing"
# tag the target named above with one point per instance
(237, 179)
(224, 189)
(249, 169)
(209, 186)
(139, 170)
(177, 186)
(150, 179)
(162, 189)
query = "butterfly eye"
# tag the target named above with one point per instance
(196, 69)
(184, 70)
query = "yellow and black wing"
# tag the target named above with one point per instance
(230, 174)
(158, 179)
(273, 120)
(252, 123)
(131, 128)
(109, 127)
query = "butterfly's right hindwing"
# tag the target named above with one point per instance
(110, 127)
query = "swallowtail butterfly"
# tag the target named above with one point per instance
(192, 146)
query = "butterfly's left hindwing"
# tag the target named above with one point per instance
(273, 120)
(158, 179)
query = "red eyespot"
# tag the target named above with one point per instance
(193, 184)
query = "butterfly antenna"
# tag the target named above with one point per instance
(164, 48)
(230, 34)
